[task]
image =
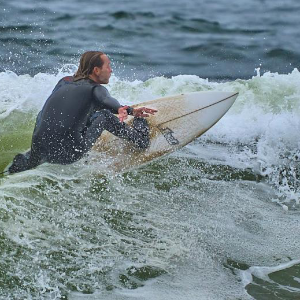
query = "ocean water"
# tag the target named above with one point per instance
(218, 219)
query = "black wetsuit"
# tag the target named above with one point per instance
(73, 117)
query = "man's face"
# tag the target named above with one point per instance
(103, 74)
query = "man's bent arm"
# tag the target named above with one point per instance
(106, 101)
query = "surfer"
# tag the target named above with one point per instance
(79, 109)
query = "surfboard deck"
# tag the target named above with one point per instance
(180, 119)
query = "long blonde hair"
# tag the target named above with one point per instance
(88, 61)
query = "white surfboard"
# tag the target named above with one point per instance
(180, 119)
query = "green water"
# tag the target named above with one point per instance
(15, 135)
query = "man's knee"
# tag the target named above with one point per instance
(102, 117)
(102, 113)
(141, 125)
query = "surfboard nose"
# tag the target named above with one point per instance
(210, 98)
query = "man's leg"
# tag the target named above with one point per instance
(105, 120)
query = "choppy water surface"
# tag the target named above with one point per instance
(218, 219)
(202, 223)
(150, 38)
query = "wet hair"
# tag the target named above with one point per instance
(88, 61)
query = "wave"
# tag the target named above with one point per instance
(17, 28)
(262, 128)
(270, 282)
(30, 42)
(283, 53)
(127, 15)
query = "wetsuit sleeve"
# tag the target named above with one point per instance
(105, 101)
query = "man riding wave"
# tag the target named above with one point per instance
(79, 109)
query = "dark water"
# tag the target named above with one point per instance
(148, 38)
(218, 219)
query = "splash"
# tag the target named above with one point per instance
(262, 128)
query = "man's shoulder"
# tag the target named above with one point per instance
(68, 78)
(81, 81)
(101, 89)
(68, 81)
(65, 80)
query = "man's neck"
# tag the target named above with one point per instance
(93, 78)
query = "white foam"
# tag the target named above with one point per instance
(262, 128)
(263, 273)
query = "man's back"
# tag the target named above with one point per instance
(66, 111)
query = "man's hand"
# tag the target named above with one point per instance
(143, 112)
(123, 115)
